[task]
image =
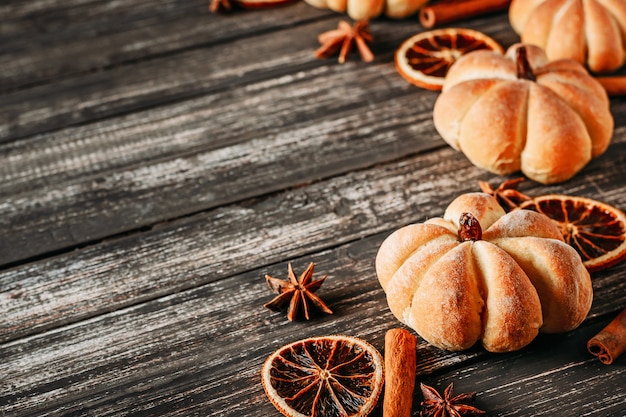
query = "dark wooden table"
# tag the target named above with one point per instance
(156, 161)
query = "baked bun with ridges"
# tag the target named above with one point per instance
(489, 276)
(592, 32)
(522, 112)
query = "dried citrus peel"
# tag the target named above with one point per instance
(595, 229)
(320, 376)
(425, 58)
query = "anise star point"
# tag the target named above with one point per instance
(435, 405)
(507, 194)
(343, 38)
(297, 294)
(217, 6)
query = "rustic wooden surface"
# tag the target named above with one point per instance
(157, 160)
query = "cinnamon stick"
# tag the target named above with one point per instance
(614, 86)
(447, 11)
(400, 361)
(611, 341)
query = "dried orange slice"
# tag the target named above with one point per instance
(324, 376)
(596, 230)
(425, 58)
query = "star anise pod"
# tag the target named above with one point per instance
(297, 293)
(434, 405)
(344, 36)
(220, 5)
(506, 193)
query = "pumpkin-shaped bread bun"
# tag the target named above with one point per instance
(592, 32)
(480, 274)
(369, 9)
(519, 111)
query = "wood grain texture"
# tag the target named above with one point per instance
(156, 161)
(184, 343)
(52, 40)
(239, 314)
(206, 123)
(144, 84)
(85, 190)
(228, 240)
(187, 74)
(309, 218)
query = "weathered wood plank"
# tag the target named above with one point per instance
(197, 350)
(204, 339)
(168, 319)
(34, 24)
(222, 242)
(42, 173)
(232, 239)
(211, 122)
(71, 189)
(186, 75)
(554, 376)
(64, 212)
(45, 41)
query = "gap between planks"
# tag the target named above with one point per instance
(91, 190)
(184, 76)
(195, 344)
(228, 240)
(124, 33)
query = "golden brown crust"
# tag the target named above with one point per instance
(451, 108)
(398, 9)
(320, 4)
(549, 128)
(592, 32)
(519, 12)
(483, 207)
(617, 8)
(566, 31)
(398, 246)
(480, 65)
(337, 5)
(364, 9)
(407, 278)
(557, 143)
(512, 314)
(605, 46)
(587, 98)
(563, 283)
(523, 223)
(447, 306)
(493, 132)
(538, 25)
(521, 277)
(536, 57)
